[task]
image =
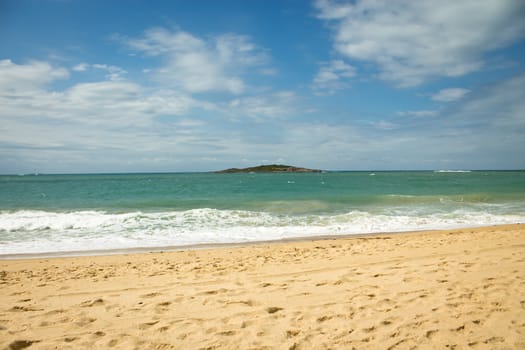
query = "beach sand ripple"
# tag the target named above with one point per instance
(460, 289)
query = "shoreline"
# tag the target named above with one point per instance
(458, 288)
(206, 246)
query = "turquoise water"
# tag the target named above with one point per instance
(52, 213)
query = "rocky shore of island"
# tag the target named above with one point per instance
(271, 168)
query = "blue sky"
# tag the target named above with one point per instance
(140, 86)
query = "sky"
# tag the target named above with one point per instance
(173, 86)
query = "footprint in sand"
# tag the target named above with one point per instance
(242, 302)
(324, 318)
(213, 292)
(273, 309)
(430, 334)
(292, 333)
(84, 321)
(99, 334)
(21, 344)
(493, 340)
(91, 303)
(147, 325)
(18, 308)
(151, 295)
(163, 329)
(162, 307)
(227, 333)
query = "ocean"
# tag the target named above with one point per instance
(86, 213)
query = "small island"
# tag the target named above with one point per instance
(272, 168)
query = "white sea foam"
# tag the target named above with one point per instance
(40, 231)
(452, 171)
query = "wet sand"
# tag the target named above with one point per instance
(462, 289)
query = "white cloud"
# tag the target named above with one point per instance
(81, 67)
(498, 106)
(385, 125)
(123, 126)
(159, 41)
(113, 72)
(112, 102)
(483, 130)
(25, 78)
(100, 95)
(450, 95)
(268, 71)
(333, 76)
(199, 65)
(110, 125)
(419, 113)
(262, 107)
(115, 124)
(413, 41)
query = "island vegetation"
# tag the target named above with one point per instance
(270, 168)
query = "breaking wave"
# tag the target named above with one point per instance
(36, 231)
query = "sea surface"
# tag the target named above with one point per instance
(82, 213)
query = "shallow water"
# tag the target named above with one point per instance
(53, 213)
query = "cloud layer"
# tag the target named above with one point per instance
(116, 124)
(20, 79)
(450, 94)
(413, 41)
(333, 76)
(198, 65)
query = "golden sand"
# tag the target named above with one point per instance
(456, 289)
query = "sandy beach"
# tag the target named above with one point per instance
(453, 289)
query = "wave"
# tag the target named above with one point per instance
(473, 198)
(33, 231)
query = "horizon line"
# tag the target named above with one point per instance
(215, 171)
